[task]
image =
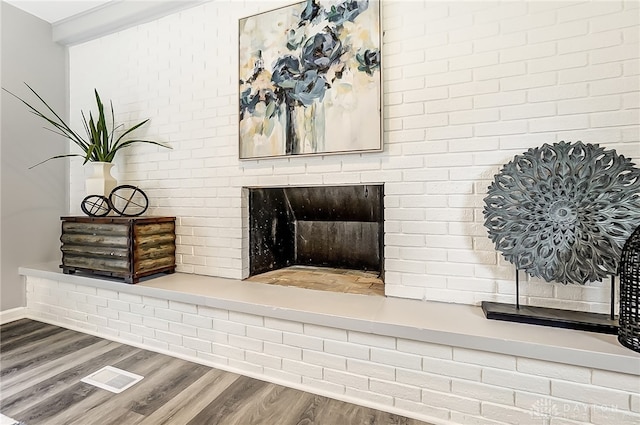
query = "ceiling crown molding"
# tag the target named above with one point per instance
(112, 17)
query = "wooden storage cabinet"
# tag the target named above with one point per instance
(124, 247)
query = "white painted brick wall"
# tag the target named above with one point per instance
(554, 370)
(590, 395)
(423, 380)
(615, 381)
(509, 379)
(467, 87)
(452, 369)
(426, 381)
(494, 360)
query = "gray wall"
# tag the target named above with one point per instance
(31, 201)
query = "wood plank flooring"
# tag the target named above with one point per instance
(41, 367)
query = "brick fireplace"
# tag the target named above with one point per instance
(465, 90)
(331, 229)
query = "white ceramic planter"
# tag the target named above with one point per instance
(100, 182)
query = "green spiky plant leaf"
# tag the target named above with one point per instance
(100, 143)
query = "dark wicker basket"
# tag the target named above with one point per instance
(629, 271)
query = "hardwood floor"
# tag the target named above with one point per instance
(41, 367)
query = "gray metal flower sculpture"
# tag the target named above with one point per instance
(562, 212)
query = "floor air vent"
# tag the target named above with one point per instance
(5, 420)
(112, 379)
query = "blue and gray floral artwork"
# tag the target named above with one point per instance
(310, 79)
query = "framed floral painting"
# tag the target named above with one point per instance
(310, 79)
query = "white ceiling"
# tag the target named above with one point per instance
(56, 10)
(77, 21)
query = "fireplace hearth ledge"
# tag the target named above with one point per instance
(456, 325)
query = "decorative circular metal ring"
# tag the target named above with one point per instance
(563, 212)
(95, 206)
(128, 200)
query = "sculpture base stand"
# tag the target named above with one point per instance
(558, 318)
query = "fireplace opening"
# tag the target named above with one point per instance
(320, 237)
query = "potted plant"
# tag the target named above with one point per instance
(99, 144)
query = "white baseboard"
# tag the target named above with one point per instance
(13, 314)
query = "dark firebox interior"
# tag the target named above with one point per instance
(328, 226)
